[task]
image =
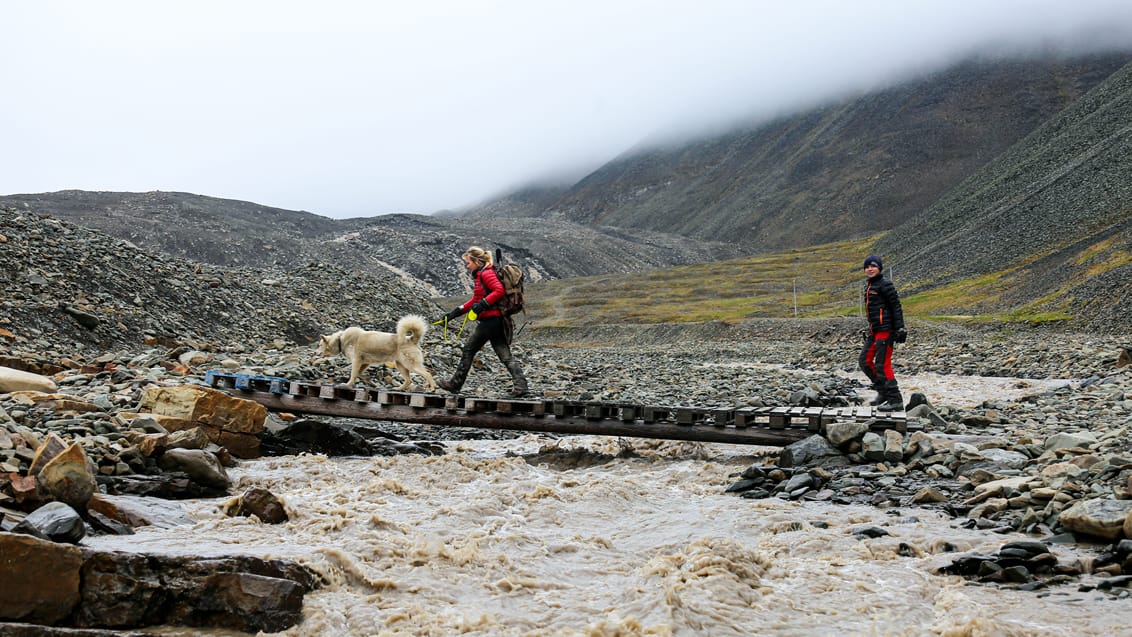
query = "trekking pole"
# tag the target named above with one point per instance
(471, 314)
(443, 321)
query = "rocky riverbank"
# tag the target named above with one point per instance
(1049, 455)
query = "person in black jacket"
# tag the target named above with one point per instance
(886, 326)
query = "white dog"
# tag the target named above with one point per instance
(365, 348)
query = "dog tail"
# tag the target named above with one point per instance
(412, 328)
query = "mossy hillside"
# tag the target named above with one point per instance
(820, 282)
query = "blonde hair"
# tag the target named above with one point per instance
(478, 254)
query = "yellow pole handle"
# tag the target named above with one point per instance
(471, 314)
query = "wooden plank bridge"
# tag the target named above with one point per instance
(769, 426)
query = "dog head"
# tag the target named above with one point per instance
(330, 345)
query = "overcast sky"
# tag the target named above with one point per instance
(361, 108)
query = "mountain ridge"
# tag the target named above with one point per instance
(852, 168)
(1069, 167)
(238, 234)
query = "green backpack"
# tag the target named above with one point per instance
(511, 276)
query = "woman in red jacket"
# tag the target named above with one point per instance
(491, 325)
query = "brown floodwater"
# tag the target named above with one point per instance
(601, 536)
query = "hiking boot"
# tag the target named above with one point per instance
(518, 380)
(890, 406)
(448, 386)
(880, 397)
(453, 384)
(893, 401)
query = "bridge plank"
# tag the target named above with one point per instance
(723, 418)
(747, 425)
(745, 417)
(653, 413)
(427, 400)
(689, 416)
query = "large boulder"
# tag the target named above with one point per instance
(207, 406)
(39, 580)
(1100, 517)
(234, 423)
(53, 584)
(840, 434)
(259, 502)
(18, 380)
(68, 477)
(811, 451)
(54, 521)
(200, 465)
(240, 593)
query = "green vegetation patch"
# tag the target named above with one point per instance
(1111, 263)
(818, 282)
(821, 280)
(965, 293)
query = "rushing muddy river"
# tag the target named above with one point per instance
(606, 536)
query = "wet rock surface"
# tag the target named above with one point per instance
(89, 589)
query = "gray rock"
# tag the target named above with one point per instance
(814, 450)
(1100, 518)
(200, 465)
(1070, 441)
(893, 446)
(53, 521)
(1006, 458)
(873, 446)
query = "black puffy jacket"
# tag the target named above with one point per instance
(882, 305)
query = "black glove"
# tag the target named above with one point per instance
(480, 306)
(454, 314)
(901, 335)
